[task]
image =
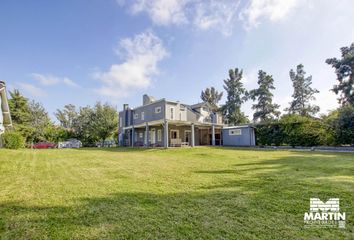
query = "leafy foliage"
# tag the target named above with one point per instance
(211, 96)
(13, 140)
(105, 121)
(341, 124)
(293, 130)
(303, 93)
(265, 108)
(344, 69)
(67, 116)
(236, 95)
(19, 108)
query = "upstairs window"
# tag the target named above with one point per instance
(157, 109)
(142, 115)
(172, 113)
(136, 116)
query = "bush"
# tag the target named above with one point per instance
(341, 124)
(293, 130)
(13, 140)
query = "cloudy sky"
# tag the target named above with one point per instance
(81, 51)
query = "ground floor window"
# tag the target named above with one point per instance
(159, 135)
(174, 134)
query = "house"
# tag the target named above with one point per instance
(5, 117)
(169, 123)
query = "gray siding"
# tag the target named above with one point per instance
(245, 139)
(149, 113)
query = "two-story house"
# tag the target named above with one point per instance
(5, 118)
(169, 123)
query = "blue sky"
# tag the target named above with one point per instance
(81, 51)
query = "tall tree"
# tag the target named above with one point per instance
(19, 107)
(211, 96)
(303, 93)
(265, 108)
(105, 120)
(236, 95)
(344, 69)
(39, 120)
(67, 116)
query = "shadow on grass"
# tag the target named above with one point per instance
(256, 205)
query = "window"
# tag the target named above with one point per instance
(157, 109)
(120, 122)
(235, 132)
(136, 116)
(159, 135)
(172, 113)
(174, 134)
(142, 115)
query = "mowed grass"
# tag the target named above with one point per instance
(199, 193)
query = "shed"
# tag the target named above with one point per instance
(242, 135)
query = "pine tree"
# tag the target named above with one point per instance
(236, 95)
(265, 108)
(19, 108)
(303, 93)
(345, 75)
(211, 96)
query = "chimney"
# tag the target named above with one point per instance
(125, 106)
(148, 99)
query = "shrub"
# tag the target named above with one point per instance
(293, 130)
(13, 140)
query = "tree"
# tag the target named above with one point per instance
(344, 69)
(265, 109)
(19, 108)
(38, 120)
(105, 120)
(82, 126)
(303, 93)
(236, 95)
(211, 96)
(67, 116)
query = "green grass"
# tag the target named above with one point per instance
(200, 193)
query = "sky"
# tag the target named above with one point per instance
(83, 51)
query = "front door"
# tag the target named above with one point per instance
(187, 137)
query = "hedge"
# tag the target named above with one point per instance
(13, 140)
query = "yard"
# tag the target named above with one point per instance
(185, 193)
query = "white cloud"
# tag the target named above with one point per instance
(31, 89)
(47, 80)
(274, 10)
(202, 14)
(141, 55)
(162, 12)
(219, 15)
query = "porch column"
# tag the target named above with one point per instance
(133, 132)
(147, 134)
(192, 133)
(213, 135)
(165, 133)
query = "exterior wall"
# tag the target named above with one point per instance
(180, 111)
(149, 112)
(247, 137)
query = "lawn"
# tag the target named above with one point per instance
(199, 193)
